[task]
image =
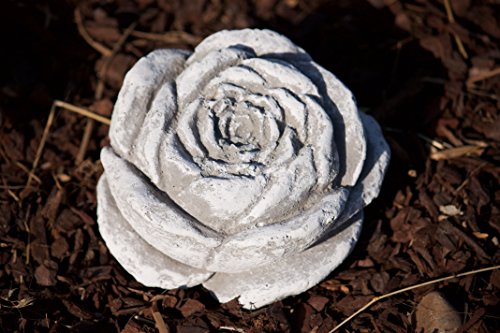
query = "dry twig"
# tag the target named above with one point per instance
(42, 144)
(50, 120)
(82, 111)
(480, 75)
(22, 303)
(85, 35)
(99, 91)
(160, 323)
(400, 291)
(232, 329)
(451, 19)
(457, 152)
(25, 169)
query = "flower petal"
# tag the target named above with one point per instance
(148, 265)
(376, 163)
(370, 181)
(287, 189)
(157, 219)
(264, 244)
(156, 130)
(288, 276)
(217, 202)
(339, 104)
(278, 74)
(191, 82)
(139, 89)
(321, 137)
(294, 109)
(240, 76)
(187, 132)
(262, 42)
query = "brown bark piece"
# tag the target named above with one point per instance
(415, 81)
(190, 307)
(318, 302)
(46, 276)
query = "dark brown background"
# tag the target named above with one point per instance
(403, 63)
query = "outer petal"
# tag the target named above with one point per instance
(262, 245)
(376, 163)
(370, 180)
(263, 42)
(321, 136)
(285, 193)
(348, 128)
(137, 93)
(196, 75)
(240, 76)
(279, 74)
(155, 217)
(148, 265)
(161, 223)
(289, 276)
(217, 202)
(154, 133)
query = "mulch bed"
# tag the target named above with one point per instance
(429, 73)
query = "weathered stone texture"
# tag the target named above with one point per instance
(243, 166)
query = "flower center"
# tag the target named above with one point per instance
(241, 129)
(241, 125)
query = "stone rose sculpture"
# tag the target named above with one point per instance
(243, 166)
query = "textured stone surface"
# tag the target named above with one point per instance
(243, 166)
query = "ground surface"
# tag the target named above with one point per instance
(430, 76)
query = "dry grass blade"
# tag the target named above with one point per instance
(46, 130)
(456, 152)
(451, 19)
(232, 329)
(25, 169)
(12, 187)
(400, 291)
(109, 58)
(470, 174)
(22, 303)
(39, 150)
(159, 322)
(87, 134)
(82, 111)
(435, 143)
(14, 196)
(99, 91)
(476, 75)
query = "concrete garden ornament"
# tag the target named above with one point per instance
(243, 166)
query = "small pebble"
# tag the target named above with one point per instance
(435, 314)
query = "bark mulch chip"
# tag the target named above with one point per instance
(428, 70)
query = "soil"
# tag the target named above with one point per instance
(427, 71)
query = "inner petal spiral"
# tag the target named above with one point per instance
(235, 134)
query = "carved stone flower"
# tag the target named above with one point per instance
(243, 166)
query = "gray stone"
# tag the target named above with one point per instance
(243, 166)
(289, 276)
